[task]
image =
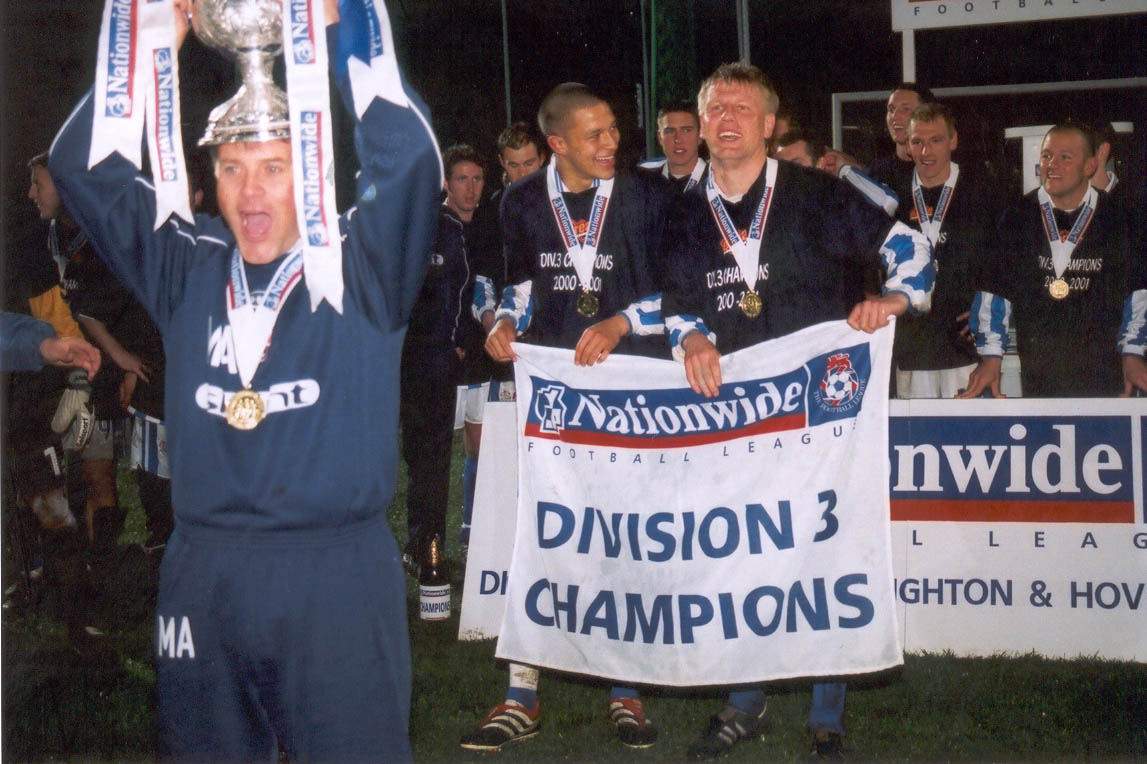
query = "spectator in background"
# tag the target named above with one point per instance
(520, 152)
(83, 280)
(934, 355)
(35, 458)
(794, 146)
(798, 148)
(894, 170)
(786, 122)
(1062, 271)
(443, 338)
(679, 135)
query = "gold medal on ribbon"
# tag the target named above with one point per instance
(1058, 289)
(245, 410)
(751, 304)
(587, 304)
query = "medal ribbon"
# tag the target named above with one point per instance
(1061, 250)
(312, 150)
(252, 321)
(694, 177)
(164, 133)
(747, 252)
(931, 226)
(136, 81)
(581, 254)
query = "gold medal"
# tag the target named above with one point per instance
(1058, 289)
(587, 304)
(245, 410)
(751, 304)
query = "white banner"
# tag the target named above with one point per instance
(928, 14)
(666, 538)
(492, 528)
(985, 563)
(1019, 525)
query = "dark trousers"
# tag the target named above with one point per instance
(428, 395)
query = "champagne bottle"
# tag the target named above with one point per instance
(433, 586)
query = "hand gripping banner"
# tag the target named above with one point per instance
(667, 538)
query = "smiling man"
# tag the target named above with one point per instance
(578, 240)
(281, 620)
(1060, 272)
(679, 135)
(956, 210)
(790, 253)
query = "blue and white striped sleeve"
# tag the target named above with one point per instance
(1133, 329)
(911, 270)
(680, 327)
(989, 320)
(874, 191)
(517, 305)
(644, 316)
(483, 301)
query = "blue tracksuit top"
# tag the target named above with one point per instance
(325, 454)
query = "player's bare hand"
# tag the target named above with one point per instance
(872, 313)
(702, 364)
(71, 351)
(599, 340)
(986, 376)
(963, 328)
(833, 160)
(183, 10)
(1134, 375)
(127, 389)
(499, 339)
(132, 363)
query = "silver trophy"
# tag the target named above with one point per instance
(251, 31)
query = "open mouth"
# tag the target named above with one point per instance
(256, 225)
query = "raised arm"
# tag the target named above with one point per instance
(389, 231)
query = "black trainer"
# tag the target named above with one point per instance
(827, 746)
(633, 728)
(506, 723)
(725, 730)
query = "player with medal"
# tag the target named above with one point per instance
(281, 618)
(1060, 275)
(807, 239)
(578, 240)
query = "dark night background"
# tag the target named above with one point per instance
(451, 50)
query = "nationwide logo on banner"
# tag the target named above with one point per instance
(1011, 469)
(165, 128)
(310, 139)
(302, 35)
(830, 387)
(121, 60)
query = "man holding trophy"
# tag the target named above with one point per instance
(281, 619)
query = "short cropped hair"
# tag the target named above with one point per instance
(930, 112)
(816, 149)
(1090, 144)
(745, 74)
(518, 136)
(40, 160)
(561, 102)
(923, 93)
(460, 152)
(678, 107)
